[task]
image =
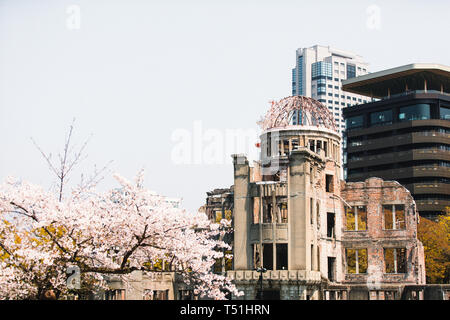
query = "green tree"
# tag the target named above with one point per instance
(435, 236)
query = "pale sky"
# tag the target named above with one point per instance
(133, 72)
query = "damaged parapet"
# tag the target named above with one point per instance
(300, 232)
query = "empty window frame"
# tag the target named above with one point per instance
(312, 145)
(295, 144)
(117, 294)
(395, 260)
(256, 210)
(267, 210)
(318, 213)
(329, 185)
(282, 256)
(279, 214)
(150, 294)
(394, 217)
(330, 224)
(268, 256)
(186, 295)
(318, 146)
(331, 269)
(256, 257)
(356, 261)
(282, 215)
(286, 149)
(356, 218)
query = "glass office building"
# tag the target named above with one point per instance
(405, 134)
(318, 74)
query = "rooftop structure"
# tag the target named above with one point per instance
(422, 77)
(297, 111)
(405, 134)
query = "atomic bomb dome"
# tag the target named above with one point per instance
(297, 111)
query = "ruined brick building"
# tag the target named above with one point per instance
(300, 231)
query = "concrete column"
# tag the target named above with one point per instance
(297, 217)
(315, 265)
(242, 213)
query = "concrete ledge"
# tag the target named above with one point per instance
(277, 275)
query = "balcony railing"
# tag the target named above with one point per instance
(411, 92)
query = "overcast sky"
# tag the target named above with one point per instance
(136, 74)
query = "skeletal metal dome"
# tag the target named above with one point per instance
(297, 111)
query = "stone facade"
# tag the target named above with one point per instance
(301, 232)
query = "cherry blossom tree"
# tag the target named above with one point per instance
(124, 230)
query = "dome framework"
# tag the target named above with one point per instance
(297, 111)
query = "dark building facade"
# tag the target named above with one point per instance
(405, 134)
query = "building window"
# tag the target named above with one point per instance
(272, 211)
(256, 209)
(282, 256)
(395, 260)
(351, 71)
(117, 294)
(156, 294)
(355, 122)
(381, 117)
(394, 217)
(356, 217)
(282, 207)
(444, 113)
(256, 256)
(267, 210)
(332, 269)
(415, 112)
(268, 256)
(356, 142)
(186, 295)
(356, 261)
(321, 70)
(330, 224)
(329, 185)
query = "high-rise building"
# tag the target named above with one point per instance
(318, 74)
(405, 135)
